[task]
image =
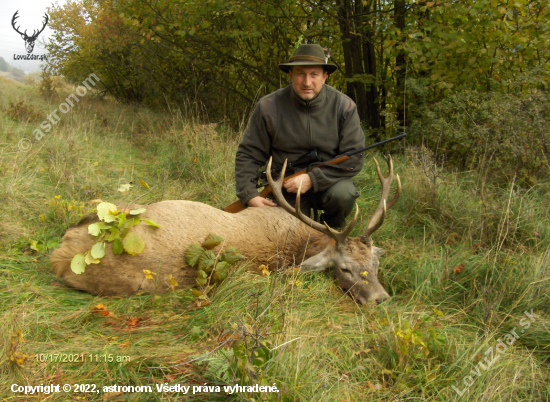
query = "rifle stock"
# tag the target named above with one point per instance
(238, 206)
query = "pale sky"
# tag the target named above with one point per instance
(31, 17)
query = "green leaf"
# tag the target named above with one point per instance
(151, 223)
(106, 212)
(211, 241)
(231, 255)
(137, 211)
(34, 244)
(78, 265)
(202, 277)
(133, 244)
(221, 271)
(193, 253)
(113, 234)
(118, 247)
(98, 250)
(206, 261)
(89, 259)
(95, 228)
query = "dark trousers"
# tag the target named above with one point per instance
(336, 202)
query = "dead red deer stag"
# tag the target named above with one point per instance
(270, 236)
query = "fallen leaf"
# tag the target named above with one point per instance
(149, 274)
(100, 309)
(264, 270)
(142, 182)
(458, 268)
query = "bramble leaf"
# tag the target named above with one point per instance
(193, 253)
(211, 241)
(206, 261)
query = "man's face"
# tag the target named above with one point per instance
(307, 81)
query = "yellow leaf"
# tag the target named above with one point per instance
(149, 274)
(264, 269)
(437, 312)
(143, 183)
(173, 283)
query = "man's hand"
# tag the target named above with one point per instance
(261, 202)
(292, 184)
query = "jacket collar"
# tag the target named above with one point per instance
(312, 104)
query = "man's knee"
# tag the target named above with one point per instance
(340, 196)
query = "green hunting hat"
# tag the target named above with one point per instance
(309, 55)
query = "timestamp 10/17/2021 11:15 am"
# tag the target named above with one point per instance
(81, 358)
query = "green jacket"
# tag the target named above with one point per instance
(285, 126)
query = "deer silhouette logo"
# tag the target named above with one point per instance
(29, 40)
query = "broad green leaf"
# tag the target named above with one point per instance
(98, 250)
(151, 223)
(193, 253)
(106, 212)
(202, 277)
(211, 241)
(78, 264)
(137, 211)
(221, 271)
(95, 228)
(34, 244)
(231, 255)
(89, 259)
(133, 244)
(113, 234)
(206, 261)
(118, 247)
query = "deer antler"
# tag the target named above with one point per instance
(276, 187)
(380, 213)
(46, 19)
(34, 34)
(15, 16)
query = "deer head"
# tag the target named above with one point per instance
(29, 40)
(353, 261)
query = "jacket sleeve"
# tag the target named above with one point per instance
(252, 153)
(351, 138)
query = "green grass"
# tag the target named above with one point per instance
(296, 330)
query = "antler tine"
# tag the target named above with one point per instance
(276, 187)
(15, 16)
(380, 214)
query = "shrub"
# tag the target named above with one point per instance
(500, 134)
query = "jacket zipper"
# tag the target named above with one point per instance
(309, 127)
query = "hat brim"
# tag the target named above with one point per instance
(330, 68)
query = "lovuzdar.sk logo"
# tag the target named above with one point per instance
(29, 39)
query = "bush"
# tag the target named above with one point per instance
(500, 134)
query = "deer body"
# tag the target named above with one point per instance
(268, 235)
(273, 236)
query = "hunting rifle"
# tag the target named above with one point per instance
(238, 206)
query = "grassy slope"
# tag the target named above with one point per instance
(425, 340)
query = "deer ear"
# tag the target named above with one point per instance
(377, 251)
(317, 263)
